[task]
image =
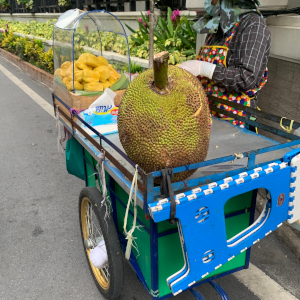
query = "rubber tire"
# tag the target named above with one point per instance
(112, 243)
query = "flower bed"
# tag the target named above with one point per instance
(31, 51)
(173, 34)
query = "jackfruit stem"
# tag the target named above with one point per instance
(160, 69)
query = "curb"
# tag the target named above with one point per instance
(34, 72)
(284, 233)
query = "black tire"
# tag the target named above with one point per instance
(112, 286)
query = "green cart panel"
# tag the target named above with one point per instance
(170, 257)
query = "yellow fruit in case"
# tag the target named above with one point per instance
(93, 87)
(102, 60)
(66, 65)
(78, 76)
(106, 84)
(69, 71)
(66, 81)
(104, 73)
(81, 65)
(77, 86)
(57, 72)
(90, 75)
(89, 59)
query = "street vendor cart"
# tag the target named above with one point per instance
(214, 225)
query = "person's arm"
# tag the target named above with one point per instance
(255, 43)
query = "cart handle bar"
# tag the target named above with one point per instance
(255, 112)
(101, 136)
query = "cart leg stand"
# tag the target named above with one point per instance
(197, 294)
(219, 289)
(216, 286)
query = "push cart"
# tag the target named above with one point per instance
(189, 232)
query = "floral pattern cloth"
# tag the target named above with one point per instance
(226, 14)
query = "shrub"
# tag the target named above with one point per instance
(28, 50)
(174, 35)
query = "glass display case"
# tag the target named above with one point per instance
(90, 50)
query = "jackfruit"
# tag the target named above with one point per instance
(114, 74)
(90, 76)
(62, 73)
(106, 84)
(81, 65)
(66, 65)
(78, 76)
(77, 86)
(69, 71)
(93, 87)
(112, 80)
(165, 130)
(104, 73)
(102, 60)
(89, 59)
(66, 81)
(57, 72)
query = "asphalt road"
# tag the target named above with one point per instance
(41, 253)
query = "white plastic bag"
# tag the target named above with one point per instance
(98, 255)
(102, 114)
(106, 99)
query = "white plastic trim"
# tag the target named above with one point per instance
(295, 213)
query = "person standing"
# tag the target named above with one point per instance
(233, 63)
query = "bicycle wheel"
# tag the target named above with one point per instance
(94, 228)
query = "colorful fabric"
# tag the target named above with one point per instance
(218, 55)
(226, 14)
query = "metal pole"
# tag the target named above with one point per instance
(151, 33)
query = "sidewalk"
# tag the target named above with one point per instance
(288, 235)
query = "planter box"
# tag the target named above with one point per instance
(33, 71)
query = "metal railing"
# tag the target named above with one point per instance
(51, 6)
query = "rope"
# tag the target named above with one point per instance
(59, 138)
(100, 168)
(154, 293)
(286, 128)
(237, 156)
(129, 233)
(256, 130)
(101, 171)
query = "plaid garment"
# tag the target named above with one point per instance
(247, 57)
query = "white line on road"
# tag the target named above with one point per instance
(262, 285)
(26, 89)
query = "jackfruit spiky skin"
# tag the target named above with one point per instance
(165, 131)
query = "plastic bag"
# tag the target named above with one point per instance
(98, 255)
(102, 114)
(127, 75)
